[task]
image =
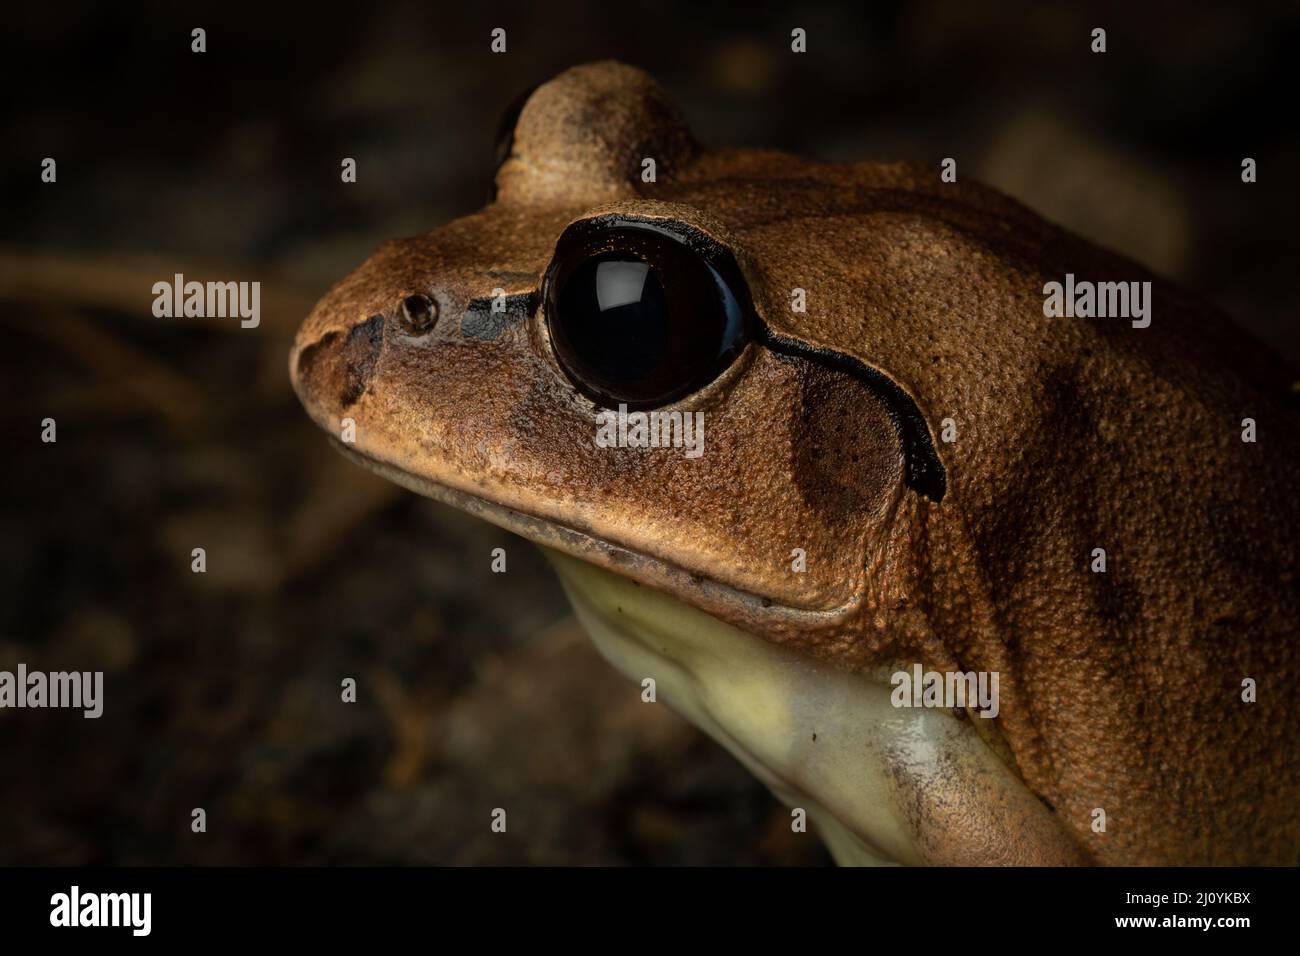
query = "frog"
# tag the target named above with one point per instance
(907, 461)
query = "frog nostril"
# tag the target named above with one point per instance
(418, 313)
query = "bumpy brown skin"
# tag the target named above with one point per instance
(1120, 691)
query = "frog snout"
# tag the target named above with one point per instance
(331, 372)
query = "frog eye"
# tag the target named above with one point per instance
(640, 313)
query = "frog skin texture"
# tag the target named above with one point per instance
(1119, 690)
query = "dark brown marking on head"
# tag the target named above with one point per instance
(339, 369)
(480, 322)
(842, 445)
(925, 472)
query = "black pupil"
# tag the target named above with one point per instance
(638, 318)
(616, 313)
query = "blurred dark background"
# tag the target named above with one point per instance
(222, 689)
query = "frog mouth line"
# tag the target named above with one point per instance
(706, 593)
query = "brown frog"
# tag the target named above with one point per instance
(879, 450)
